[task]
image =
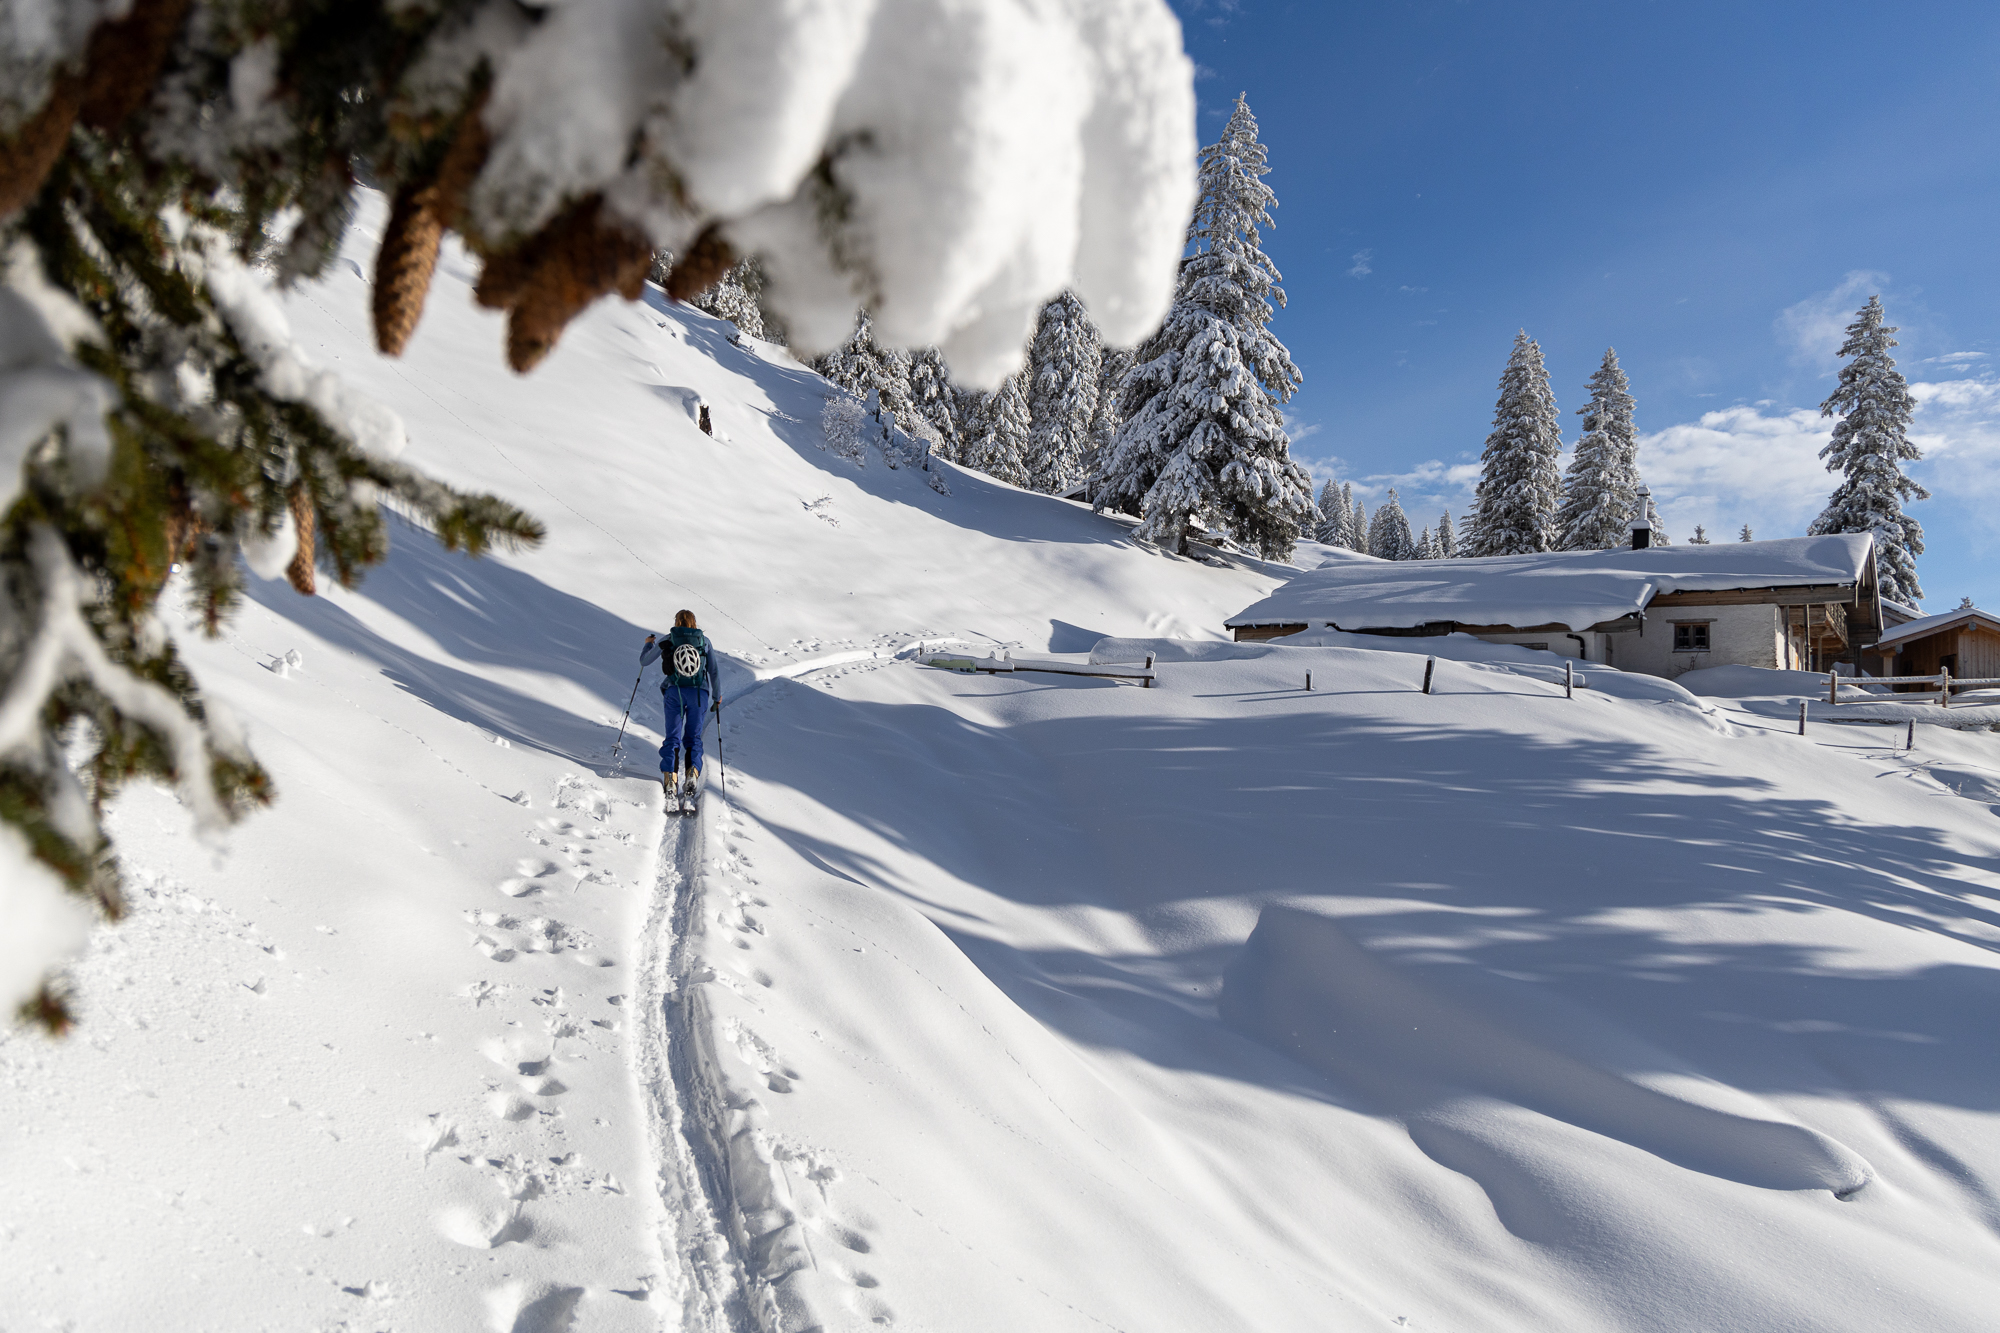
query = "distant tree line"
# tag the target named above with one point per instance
(1525, 502)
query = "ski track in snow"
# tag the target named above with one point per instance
(741, 1207)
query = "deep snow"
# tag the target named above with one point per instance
(989, 1002)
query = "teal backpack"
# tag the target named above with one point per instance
(685, 661)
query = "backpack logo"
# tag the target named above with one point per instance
(687, 660)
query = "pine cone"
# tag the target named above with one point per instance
(300, 571)
(124, 61)
(577, 258)
(26, 158)
(462, 162)
(403, 266)
(185, 527)
(701, 268)
(422, 213)
(502, 277)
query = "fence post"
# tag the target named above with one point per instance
(1149, 661)
(1944, 682)
(1802, 717)
(1309, 682)
(1910, 736)
(1430, 664)
(1832, 687)
(1569, 680)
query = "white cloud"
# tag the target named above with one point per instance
(1423, 490)
(1760, 465)
(1957, 426)
(1816, 326)
(1364, 264)
(1739, 465)
(1954, 358)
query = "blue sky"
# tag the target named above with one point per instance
(1713, 189)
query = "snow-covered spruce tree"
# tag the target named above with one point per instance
(866, 369)
(1869, 447)
(1965, 604)
(164, 163)
(1332, 528)
(737, 298)
(1112, 369)
(1514, 509)
(1426, 546)
(934, 401)
(1746, 535)
(1357, 522)
(1603, 479)
(1203, 439)
(1447, 540)
(1063, 365)
(996, 437)
(1389, 536)
(1700, 537)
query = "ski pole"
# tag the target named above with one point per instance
(618, 746)
(721, 764)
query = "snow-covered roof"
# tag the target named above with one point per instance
(1576, 589)
(1918, 629)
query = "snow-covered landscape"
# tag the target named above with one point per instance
(987, 1001)
(1142, 873)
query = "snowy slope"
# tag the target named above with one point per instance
(988, 1002)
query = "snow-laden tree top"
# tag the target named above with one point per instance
(1203, 438)
(1869, 447)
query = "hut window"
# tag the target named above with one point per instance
(1691, 636)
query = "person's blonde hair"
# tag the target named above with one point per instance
(684, 620)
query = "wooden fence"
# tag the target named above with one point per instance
(1144, 676)
(1942, 684)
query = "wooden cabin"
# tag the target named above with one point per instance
(1798, 603)
(1965, 642)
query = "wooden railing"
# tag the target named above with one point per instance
(1145, 675)
(1942, 682)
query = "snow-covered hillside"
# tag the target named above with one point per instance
(986, 1002)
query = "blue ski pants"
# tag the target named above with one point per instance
(687, 709)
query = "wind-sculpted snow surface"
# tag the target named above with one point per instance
(1488, 1009)
(1304, 987)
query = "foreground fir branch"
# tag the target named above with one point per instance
(194, 437)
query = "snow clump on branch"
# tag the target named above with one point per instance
(948, 166)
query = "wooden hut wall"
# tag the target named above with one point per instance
(1921, 656)
(1979, 653)
(1975, 648)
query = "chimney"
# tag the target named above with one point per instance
(1642, 527)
